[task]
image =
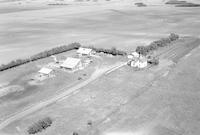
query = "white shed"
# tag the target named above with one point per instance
(130, 56)
(84, 51)
(72, 64)
(45, 71)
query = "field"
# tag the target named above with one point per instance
(127, 101)
(31, 92)
(178, 49)
(122, 26)
(158, 100)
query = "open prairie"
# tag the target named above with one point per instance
(123, 26)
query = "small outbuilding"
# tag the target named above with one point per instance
(135, 54)
(130, 56)
(45, 71)
(84, 51)
(72, 64)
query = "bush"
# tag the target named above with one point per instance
(142, 50)
(173, 37)
(41, 55)
(75, 133)
(152, 46)
(40, 125)
(140, 4)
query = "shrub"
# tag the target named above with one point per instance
(173, 37)
(75, 133)
(40, 125)
(142, 50)
(140, 4)
(152, 46)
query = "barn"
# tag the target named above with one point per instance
(72, 64)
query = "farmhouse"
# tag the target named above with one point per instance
(45, 71)
(140, 62)
(84, 51)
(72, 64)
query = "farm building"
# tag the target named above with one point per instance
(133, 55)
(72, 64)
(84, 51)
(130, 56)
(139, 63)
(45, 71)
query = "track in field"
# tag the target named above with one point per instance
(177, 51)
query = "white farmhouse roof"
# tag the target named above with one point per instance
(45, 70)
(70, 62)
(85, 51)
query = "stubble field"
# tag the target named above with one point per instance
(24, 33)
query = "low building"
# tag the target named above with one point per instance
(135, 54)
(84, 51)
(130, 56)
(72, 64)
(45, 71)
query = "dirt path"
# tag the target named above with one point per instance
(97, 73)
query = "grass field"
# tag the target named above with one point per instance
(21, 76)
(123, 26)
(162, 100)
(178, 49)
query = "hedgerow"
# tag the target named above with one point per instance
(181, 3)
(144, 50)
(41, 55)
(112, 51)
